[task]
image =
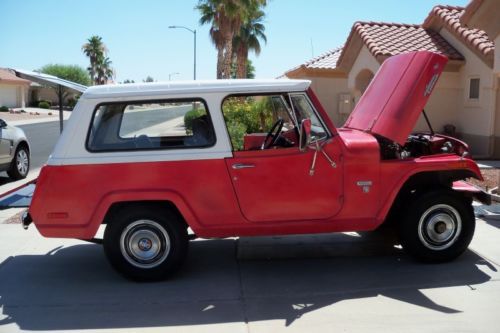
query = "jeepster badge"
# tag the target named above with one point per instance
(365, 185)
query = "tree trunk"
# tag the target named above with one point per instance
(241, 63)
(220, 61)
(228, 56)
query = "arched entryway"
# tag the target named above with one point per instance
(362, 80)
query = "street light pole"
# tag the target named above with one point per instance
(194, 35)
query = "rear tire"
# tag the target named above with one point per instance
(20, 165)
(437, 226)
(145, 243)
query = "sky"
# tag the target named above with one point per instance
(34, 33)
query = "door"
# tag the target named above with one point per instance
(5, 143)
(277, 185)
(272, 178)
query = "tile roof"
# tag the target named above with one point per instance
(7, 76)
(449, 16)
(325, 61)
(387, 39)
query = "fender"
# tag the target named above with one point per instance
(462, 167)
(142, 195)
(89, 230)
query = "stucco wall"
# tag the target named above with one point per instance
(497, 56)
(365, 60)
(443, 103)
(328, 91)
(474, 119)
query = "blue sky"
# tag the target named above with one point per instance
(34, 33)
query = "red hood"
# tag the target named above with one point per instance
(392, 103)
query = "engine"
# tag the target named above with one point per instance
(422, 144)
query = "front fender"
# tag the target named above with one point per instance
(429, 171)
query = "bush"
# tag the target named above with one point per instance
(44, 105)
(246, 115)
(4, 109)
(72, 101)
(190, 116)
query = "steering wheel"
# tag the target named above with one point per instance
(273, 134)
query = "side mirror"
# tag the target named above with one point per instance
(305, 134)
(3, 124)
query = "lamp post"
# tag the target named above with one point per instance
(172, 74)
(194, 34)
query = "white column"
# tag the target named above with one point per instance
(23, 96)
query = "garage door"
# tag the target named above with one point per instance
(8, 96)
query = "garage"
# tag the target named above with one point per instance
(13, 90)
(8, 96)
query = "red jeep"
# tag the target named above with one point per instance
(249, 158)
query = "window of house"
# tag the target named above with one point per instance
(151, 125)
(250, 119)
(474, 88)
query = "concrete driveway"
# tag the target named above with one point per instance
(342, 282)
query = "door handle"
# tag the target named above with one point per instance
(243, 166)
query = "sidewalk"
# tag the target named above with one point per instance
(32, 116)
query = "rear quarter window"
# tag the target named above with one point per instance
(166, 124)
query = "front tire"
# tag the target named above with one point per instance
(20, 165)
(437, 226)
(145, 243)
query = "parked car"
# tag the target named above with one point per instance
(254, 157)
(14, 151)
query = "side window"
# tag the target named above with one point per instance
(474, 88)
(250, 119)
(154, 125)
(303, 108)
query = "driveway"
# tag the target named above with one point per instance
(340, 282)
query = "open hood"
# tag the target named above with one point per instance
(393, 101)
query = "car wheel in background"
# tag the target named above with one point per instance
(20, 165)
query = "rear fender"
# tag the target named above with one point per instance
(137, 195)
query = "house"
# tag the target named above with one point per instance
(466, 96)
(485, 15)
(13, 90)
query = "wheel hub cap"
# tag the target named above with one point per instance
(145, 244)
(22, 162)
(439, 227)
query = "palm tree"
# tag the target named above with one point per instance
(226, 18)
(95, 50)
(247, 40)
(105, 72)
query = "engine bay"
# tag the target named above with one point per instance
(421, 144)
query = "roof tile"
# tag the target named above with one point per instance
(387, 39)
(450, 16)
(7, 76)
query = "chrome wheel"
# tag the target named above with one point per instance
(145, 244)
(22, 162)
(439, 227)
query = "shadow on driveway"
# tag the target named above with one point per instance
(75, 288)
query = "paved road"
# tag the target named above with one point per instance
(341, 283)
(42, 138)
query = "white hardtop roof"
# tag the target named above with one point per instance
(188, 87)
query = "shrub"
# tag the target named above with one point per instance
(190, 116)
(246, 115)
(4, 109)
(44, 105)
